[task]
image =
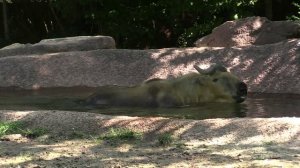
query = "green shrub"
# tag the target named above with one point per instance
(10, 128)
(121, 134)
(78, 135)
(33, 133)
(17, 127)
(165, 139)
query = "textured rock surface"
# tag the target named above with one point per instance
(250, 31)
(272, 68)
(79, 43)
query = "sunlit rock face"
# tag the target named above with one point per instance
(271, 68)
(250, 31)
(78, 43)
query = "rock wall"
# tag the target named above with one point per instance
(271, 68)
(79, 43)
(250, 31)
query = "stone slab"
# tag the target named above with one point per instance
(78, 43)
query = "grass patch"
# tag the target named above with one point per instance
(33, 133)
(115, 134)
(77, 135)
(165, 139)
(269, 143)
(17, 127)
(10, 128)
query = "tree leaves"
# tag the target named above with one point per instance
(132, 23)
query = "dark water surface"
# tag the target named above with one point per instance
(257, 105)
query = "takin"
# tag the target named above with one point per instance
(214, 84)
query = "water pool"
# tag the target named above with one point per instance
(256, 105)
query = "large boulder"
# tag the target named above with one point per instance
(78, 43)
(250, 31)
(272, 68)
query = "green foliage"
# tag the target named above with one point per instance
(115, 134)
(269, 143)
(151, 23)
(132, 23)
(33, 133)
(165, 139)
(77, 135)
(297, 16)
(16, 127)
(10, 128)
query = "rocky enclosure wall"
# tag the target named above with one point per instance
(78, 43)
(250, 31)
(271, 68)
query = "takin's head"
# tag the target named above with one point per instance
(224, 83)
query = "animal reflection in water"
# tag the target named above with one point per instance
(214, 84)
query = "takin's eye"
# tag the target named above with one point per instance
(215, 80)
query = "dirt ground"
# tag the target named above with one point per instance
(237, 142)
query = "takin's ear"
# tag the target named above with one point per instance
(211, 70)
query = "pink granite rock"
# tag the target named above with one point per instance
(271, 68)
(78, 43)
(250, 31)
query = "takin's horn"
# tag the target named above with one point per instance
(211, 70)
